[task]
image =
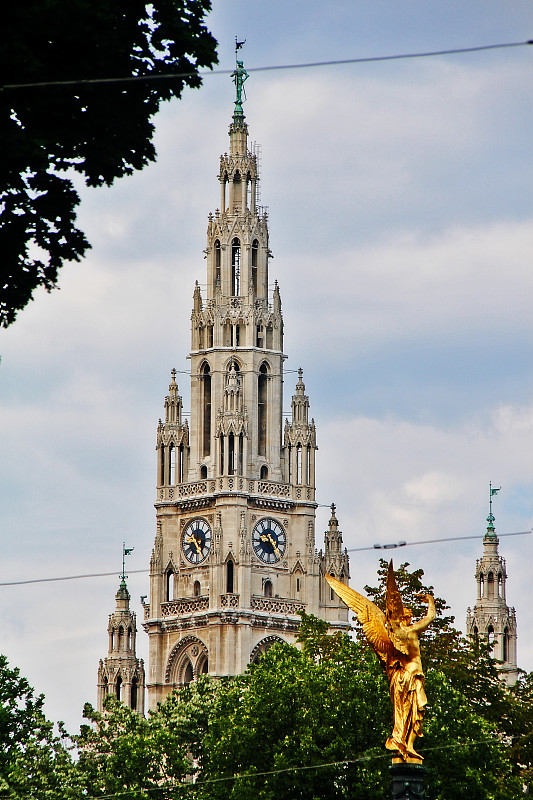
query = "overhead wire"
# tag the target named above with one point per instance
(267, 68)
(349, 550)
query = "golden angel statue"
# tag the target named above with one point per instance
(394, 638)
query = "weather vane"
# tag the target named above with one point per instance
(492, 492)
(125, 552)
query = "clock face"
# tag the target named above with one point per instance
(269, 540)
(196, 540)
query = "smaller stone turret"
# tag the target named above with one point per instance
(333, 561)
(300, 440)
(121, 673)
(491, 617)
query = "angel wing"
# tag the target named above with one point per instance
(369, 615)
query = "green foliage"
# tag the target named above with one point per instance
(305, 722)
(102, 131)
(34, 762)
(323, 704)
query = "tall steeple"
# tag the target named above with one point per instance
(234, 560)
(121, 673)
(491, 617)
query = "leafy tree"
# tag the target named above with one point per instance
(121, 751)
(292, 723)
(34, 762)
(101, 131)
(307, 722)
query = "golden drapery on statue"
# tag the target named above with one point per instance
(394, 638)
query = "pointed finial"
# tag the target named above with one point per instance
(333, 507)
(173, 374)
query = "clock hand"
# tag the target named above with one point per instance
(192, 539)
(268, 538)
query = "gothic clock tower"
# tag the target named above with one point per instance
(234, 560)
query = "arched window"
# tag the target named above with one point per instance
(268, 589)
(490, 586)
(197, 588)
(129, 638)
(231, 454)
(264, 472)
(162, 465)
(490, 634)
(170, 585)
(205, 667)
(217, 271)
(241, 455)
(105, 686)
(221, 453)
(206, 408)
(203, 472)
(188, 674)
(120, 642)
(180, 464)
(118, 688)
(111, 640)
(235, 268)
(172, 455)
(255, 250)
(299, 464)
(308, 467)
(237, 191)
(262, 409)
(229, 577)
(505, 648)
(133, 696)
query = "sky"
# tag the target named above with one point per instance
(401, 209)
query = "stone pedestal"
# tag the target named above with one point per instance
(407, 781)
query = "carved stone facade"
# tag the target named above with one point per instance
(234, 559)
(121, 673)
(491, 617)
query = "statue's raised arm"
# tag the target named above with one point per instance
(394, 638)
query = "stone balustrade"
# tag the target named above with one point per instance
(228, 484)
(277, 605)
(229, 600)
(185, 605)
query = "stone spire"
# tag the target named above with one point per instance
(491, 617)
(333, 560)
(300, 439)
(121, 673)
